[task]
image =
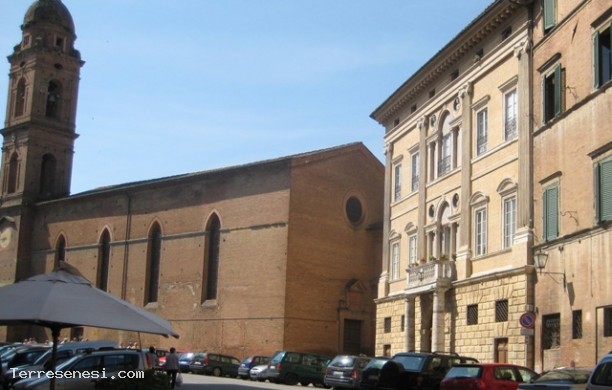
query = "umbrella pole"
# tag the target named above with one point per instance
(55, 331)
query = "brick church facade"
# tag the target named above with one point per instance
(278, 254)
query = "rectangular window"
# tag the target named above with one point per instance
(481, 132)
(480, 231)
(444, 164)
(509, 220)
(412, 249)
(501, 311)
(510, 127)
(415, 172)
(607, 322)
(550, 14)
(472, 314)
(387, 325)
(577, 324)
(602, 52)
(395, 261)
(552, 94)
(550, 211)
(397, 180)
(403, 323)
(603, 190)
(551, 331)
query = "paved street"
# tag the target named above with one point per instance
(192, 382)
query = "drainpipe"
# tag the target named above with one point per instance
(126, 247)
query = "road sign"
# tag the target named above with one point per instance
(527, 320)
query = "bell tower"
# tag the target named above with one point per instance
(39, 130)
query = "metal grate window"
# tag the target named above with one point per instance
(501, 310)
(577, 324)
(608, 322)
(472, 314)
(551, 331)
(387, 325)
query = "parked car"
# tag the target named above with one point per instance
(249, 362)
(418, 370)
(259, 373)
(64, 352)
(601, 377)
(486, 376)
(562, 378)
(297, 367)
(185, 360)
(344, 371)
(22, 356)
(371, 372)
(94, 365)
(214, 364)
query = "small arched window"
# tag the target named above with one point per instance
(13, 169)
(47, 174)
(212, 259)
(103, 261)
(20, 97)
(153, 264)
(60, 250)
(53, 96)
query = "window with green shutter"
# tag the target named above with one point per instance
(552, 93)
(550, 17)
(602, 56)
(551, 213)
(603, 191)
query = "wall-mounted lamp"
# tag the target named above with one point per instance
(540, 259)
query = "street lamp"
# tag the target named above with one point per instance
(540, 258)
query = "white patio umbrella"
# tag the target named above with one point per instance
(65, 299)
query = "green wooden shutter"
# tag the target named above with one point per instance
(604, 192)
(596, 63)
(551, 213)
(549, 14)
(558, 90)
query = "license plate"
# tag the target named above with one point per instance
(338, 373)
(373, 377)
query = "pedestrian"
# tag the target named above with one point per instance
(152, 357)
(172, 366)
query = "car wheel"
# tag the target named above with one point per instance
(216, 371)
(291, 379)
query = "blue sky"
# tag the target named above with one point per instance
(172, 87)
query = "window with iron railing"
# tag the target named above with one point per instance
(444, 165)
(481, 131)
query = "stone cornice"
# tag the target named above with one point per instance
(447, 57)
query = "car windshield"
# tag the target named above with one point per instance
(464, 372)
(277, 358)
(410, 362)
(564, 376)
(343, 361)
(376, 363)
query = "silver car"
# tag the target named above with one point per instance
(601, 378)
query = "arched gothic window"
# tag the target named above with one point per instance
(47, 174)
(60, 250)
(103, 261)
(53, 96)
(212, 259)
(153, 264)
(20, 97)
(11, 184)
